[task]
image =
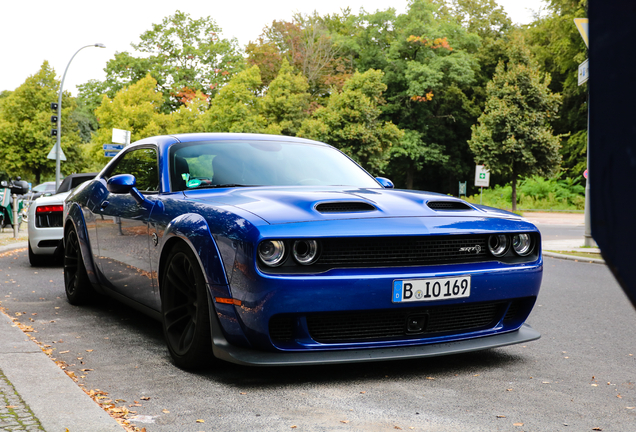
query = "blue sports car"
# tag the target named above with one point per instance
(272, 250)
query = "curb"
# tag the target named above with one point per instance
(12, 246)
(573, 257)
(55, 399)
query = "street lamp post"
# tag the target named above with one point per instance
(58, 144)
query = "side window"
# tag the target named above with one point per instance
(142, 163)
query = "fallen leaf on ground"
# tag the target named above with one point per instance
(344, 421)
(501, 416)
(517, 424)
(200, 421)
(64, 352)
(165, 411)
(144, 398)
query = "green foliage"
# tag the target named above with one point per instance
(136, 108)
(536, 193)
(351, 122)
(25, 128)
(514, 137)
(559, 49)
(236, 108)
(183, 55)
(287, 100)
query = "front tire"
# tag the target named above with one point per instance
(185, 310)
(78, 287)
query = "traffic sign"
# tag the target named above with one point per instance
(482, 176)
(113, 147)
(583, 25)
(584, 71)
(52, 153)
(111, 153)
(121, 136)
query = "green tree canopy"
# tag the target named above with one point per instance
(136, 108)
(350, 121)
(25, 128)
(184, 55)
(513, 136)
(287, 100)
(559, 49)
(237, 106)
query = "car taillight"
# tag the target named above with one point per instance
(49, 209)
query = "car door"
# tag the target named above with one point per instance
(122, 229)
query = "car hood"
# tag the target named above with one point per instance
(278, 205)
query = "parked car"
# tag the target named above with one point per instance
(271, 250)
(44, 222)
(43, 189)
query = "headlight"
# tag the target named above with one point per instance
(305, 251)
(498, 245)
(522, 244)
(272, 252)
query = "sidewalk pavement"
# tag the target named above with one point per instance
(35, 394)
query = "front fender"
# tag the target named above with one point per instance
(193, 229)
(75, 219)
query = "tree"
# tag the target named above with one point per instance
(182, 54)
(136, 108)
(237, 107)
(430, 67)
(287, 100)
(25, 128)
(307, 45)
(513, 136)
(350, 121)
(559, 49)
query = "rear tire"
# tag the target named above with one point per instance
(185, 310)
(78, 287)
(35, 260)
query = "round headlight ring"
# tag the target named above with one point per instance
(498, 245)
(305, 252)
(272, 252)
(522, 244)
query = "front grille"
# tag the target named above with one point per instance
(448, 205)
(390, 324)
(344, 207)
(48, 220)
(403, 250)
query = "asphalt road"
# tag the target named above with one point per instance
(579, 376)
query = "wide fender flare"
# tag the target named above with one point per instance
(75, 219)
(193, 229)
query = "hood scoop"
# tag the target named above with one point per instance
(448, 205)
(345, 207)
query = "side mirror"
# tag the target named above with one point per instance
(3, 183)
(121, 184)
(385, 182)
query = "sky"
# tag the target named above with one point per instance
(33, 31)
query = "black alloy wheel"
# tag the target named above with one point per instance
(185, 309)
(76, 283)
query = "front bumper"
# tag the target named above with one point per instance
(245, 356)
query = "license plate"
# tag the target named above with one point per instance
(419, 290)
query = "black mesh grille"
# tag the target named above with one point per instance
(48, 220)
(448, 205)
(390, 324)
(345, 207)
(403, 250)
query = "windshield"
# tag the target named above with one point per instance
(262, 163)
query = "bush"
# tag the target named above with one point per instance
(536, 193)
